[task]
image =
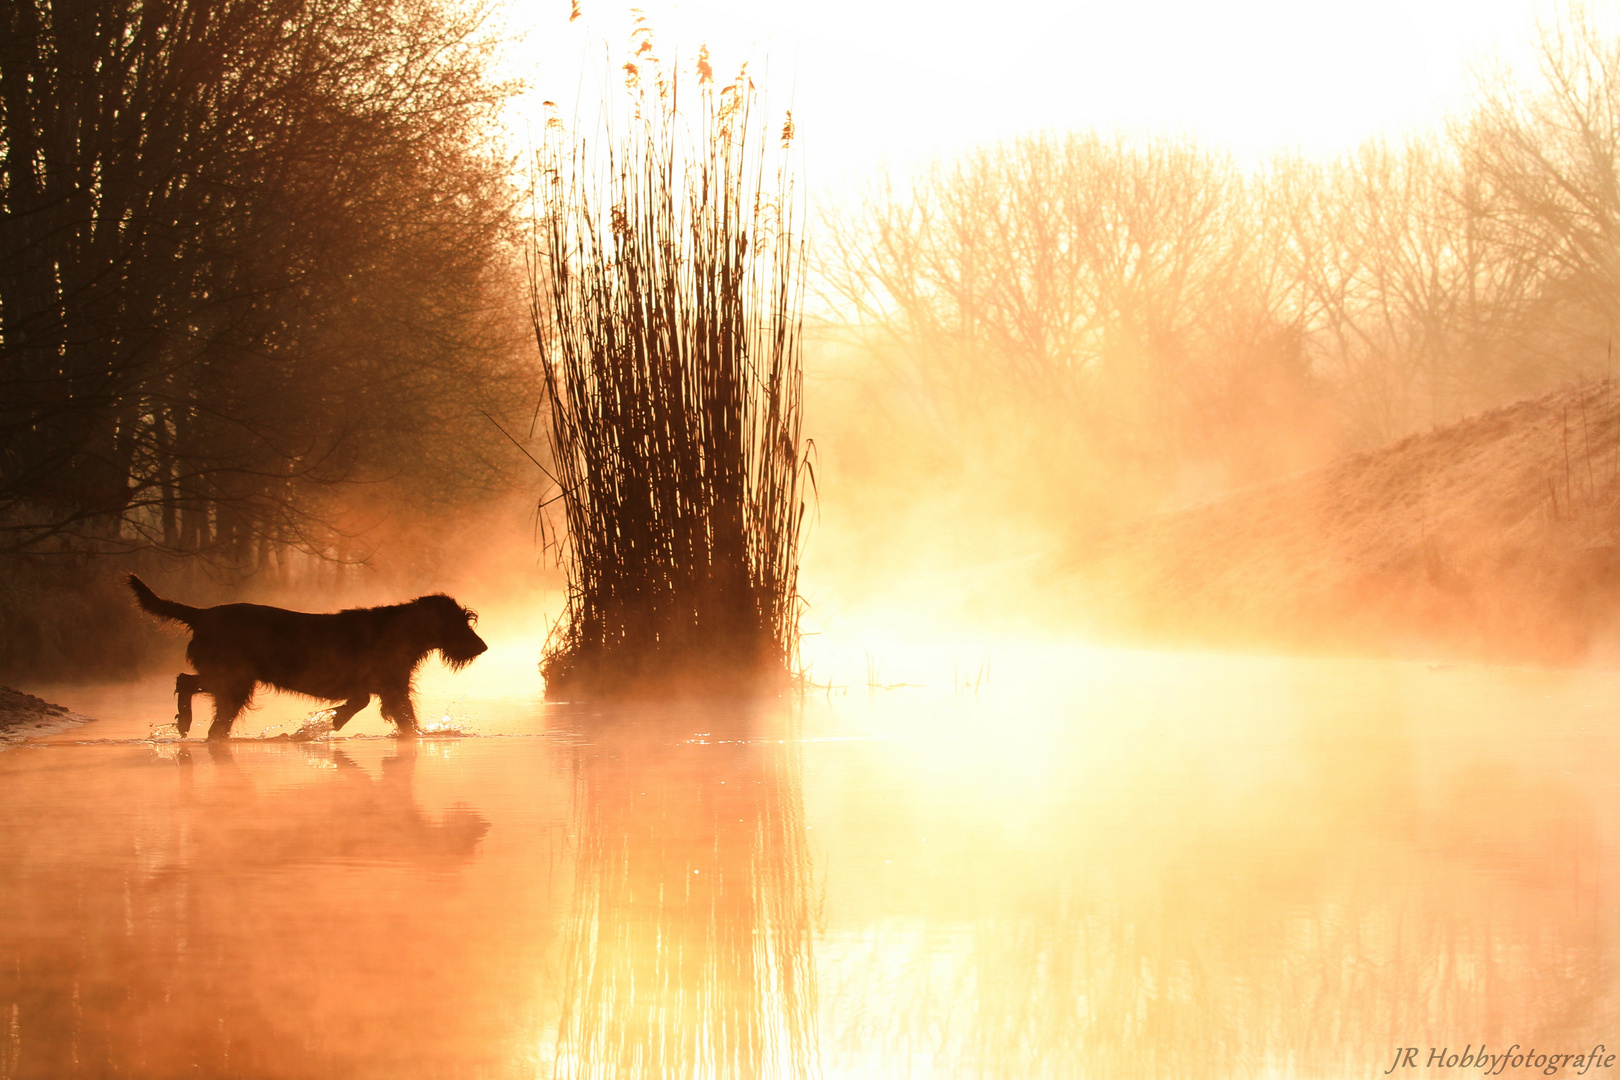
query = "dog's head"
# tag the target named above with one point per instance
(451, 630)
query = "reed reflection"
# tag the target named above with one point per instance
(690, 947)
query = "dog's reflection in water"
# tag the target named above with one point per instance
(348, 816)
(253, 910)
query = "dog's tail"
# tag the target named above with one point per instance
(163, 609)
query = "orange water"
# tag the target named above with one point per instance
(1097, 865)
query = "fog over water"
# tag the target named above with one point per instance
(1098, 864)
(1208, 646)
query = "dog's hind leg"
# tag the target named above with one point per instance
(396, 706)
(229, 701)
(185, 686)
(347, 710)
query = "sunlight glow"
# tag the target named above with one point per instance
(899, 81)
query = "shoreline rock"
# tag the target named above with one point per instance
(24, 716)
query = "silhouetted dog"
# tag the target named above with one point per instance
(346, 656)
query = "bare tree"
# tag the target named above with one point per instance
(1120, 298)
(1414, 303)
(1547, 159)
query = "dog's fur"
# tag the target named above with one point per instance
(346, 656)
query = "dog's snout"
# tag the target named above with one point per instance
(469, 645)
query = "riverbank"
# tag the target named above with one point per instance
(1494, 538)
(24, 716)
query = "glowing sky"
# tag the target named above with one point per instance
(875, 79)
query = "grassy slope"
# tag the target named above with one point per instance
(1493, 538)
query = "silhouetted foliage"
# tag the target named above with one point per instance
(249, 250)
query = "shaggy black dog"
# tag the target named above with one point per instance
(346, 656)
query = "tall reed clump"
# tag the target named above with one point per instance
(667, 296)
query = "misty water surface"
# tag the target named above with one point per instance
(1100, 864)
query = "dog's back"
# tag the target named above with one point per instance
(322, 655)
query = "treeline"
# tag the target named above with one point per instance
(1144, 320)
(259, 284)
(251, 251)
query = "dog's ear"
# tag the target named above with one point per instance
(445, 607)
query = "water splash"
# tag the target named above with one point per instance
(445, 727)
(165, 733)
(317, 725)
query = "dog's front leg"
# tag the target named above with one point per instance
(229, 701)
(185, 686)
(396, 706)
(347, 710)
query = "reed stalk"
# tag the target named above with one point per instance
(667, 297)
